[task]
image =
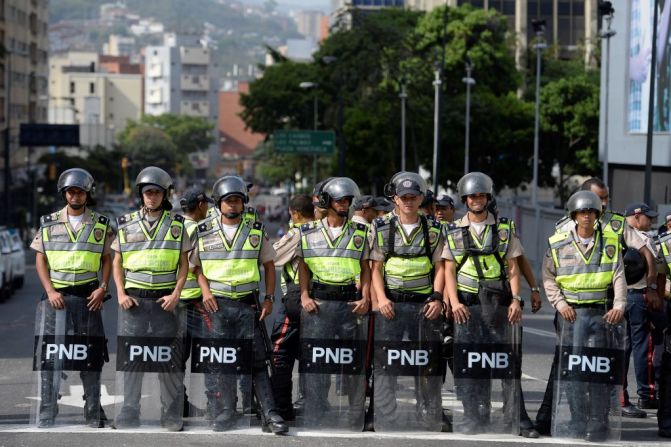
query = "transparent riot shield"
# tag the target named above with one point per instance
(333, 348)
(221, 364)
(591, 367)
(408, 373)
(487, 370)
(150, 367)
(69, 353)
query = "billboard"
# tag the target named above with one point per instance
(641, 16)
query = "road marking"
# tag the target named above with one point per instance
(76, 397)
(540, 332)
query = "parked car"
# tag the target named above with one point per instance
(7, 263)
(18, 257)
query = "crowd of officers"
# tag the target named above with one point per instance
(405, 262)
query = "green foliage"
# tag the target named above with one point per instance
(149, 146)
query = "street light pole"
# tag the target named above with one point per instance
(403, 95)
(7, 136)
(607, 10)
(539, 28)
(469, 81)
(647, 182)
(436, 126)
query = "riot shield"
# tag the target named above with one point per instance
(487, 370)
(408, 373)
(66, 341)
(150, 367)
(221, 356)
(333, 348)
(590, 367)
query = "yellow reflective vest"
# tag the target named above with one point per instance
(489, 251)
(150, 261)
(407, 267)
(74, 258)
(191, 289)
(334, 262)
(585, 280)
(231, 268)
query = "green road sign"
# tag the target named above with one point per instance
(311, 142)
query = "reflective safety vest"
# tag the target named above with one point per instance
(231, 268)
(290, 269)
(191, 289)
(489, 252)
(408, 265)
(584, 281)
(74, 259)
(150, 261)
(248, 213)
(663, 241)
(610, 222)
(336, 262)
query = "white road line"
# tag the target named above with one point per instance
(540, 332)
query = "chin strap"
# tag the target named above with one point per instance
(232, 215)
(76, 207)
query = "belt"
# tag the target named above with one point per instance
(632, 290)
(406, 297)
(346, 288)
(148, 293)
(468, 299)
(245, 299)
(81, 290)
(589, 305)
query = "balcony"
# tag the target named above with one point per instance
(155, 70)
(196, 108)
(195, 82)
(194, 56)
(155, 96)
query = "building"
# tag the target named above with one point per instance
(82, 92)
(181, 78)
(309, 24)
(119, 46)
(23, 68)
(236, 143)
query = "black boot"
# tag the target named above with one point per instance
(272, 421)
(93, 412)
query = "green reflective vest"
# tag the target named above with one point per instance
(611, 222)
(663, 241)
(231, 268)
(407, 267)
(191, 289)
(584, 280)
(468, 249)
(334, 262)
(150, 261)
(74, 259)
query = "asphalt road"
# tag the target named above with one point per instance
(17, 317)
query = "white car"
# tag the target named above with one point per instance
(18, 258)
(7, 263)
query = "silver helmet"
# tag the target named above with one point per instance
(230, 185)
(153, 175)
(78, 178)
(338, 188)
(475, 183)
(407, 183)
(583, 201)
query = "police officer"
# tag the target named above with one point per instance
(150, 272)
(227, 256)
(383, 206)
(482, 283)
(195, 207)
(610, 222)
(363, 210)
(579, 268)
(428, 205)
(73, 248)
(408, 280)
(286, 333)
(444, 209)
(664, 412)
(334, 253)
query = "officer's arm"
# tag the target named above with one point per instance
(514, 276)
(125, 301)
(269, 269)
(365, 279)
(439, 277)
(460, 312)
(651, 295)
(42, 267)
(182, 271)
(307, 303)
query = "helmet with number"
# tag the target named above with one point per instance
(403, 183)
(336, 189)
(230, 185)
(583, 201)
(77, 178)
(153, 175)
(475, 183)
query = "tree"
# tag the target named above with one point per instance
(188, 133)
(570, 123)
(150, 146)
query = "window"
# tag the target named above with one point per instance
(72, 88)
(92, 87)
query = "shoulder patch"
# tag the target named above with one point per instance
(503, 219)
(451, 226)
(49, 218)
(257, 225)
(361, 227)
(178, 218)
(103, 219)
(125, 218)
(380, 222)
